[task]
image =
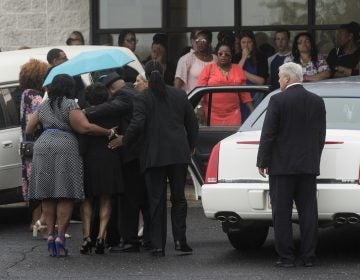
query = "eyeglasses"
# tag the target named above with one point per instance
(201, 40)
(227, 54)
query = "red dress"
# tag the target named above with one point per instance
(225, 109)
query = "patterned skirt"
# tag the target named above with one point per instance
(57, 167)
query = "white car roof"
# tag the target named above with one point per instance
(11, 61)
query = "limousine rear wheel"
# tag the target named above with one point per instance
(248, 238)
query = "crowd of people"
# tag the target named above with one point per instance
(80, 155)
(115, 145)
(201, 64)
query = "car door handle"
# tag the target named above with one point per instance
(7, 144)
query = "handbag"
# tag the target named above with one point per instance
(26, 149)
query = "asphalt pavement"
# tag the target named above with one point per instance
(25, 257)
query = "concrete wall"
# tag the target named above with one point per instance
(37, 23)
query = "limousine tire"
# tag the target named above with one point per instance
(248, 238)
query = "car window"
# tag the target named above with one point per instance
(9, 107)
(341, 113)
(221, 109)
(257, 125)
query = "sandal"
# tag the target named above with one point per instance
(38, 227)
(61, 250)
(51, 245)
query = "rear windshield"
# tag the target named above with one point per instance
(341, 113)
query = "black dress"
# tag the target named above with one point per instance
(102, 172)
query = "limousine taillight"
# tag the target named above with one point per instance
(211, 175)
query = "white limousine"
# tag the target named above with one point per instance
(235, 194)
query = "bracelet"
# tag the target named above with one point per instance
(111, 133)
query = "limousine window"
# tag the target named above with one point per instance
(9, 107)
(341, 113)
(203, 111)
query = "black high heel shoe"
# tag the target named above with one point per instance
(100, 246)
(86, 246)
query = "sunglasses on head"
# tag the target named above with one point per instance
(200, 40)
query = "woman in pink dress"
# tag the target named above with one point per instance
(191, 64)
(225, 108)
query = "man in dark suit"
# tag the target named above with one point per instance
(170, 129)
(134, 199)
(291, 144)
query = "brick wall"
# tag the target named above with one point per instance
(37, 23)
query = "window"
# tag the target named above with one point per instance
(274, 12)
(257, 125)
(204, 13)
(130, 13)
(181, 16)
(9, 107)
(325, 41)
(342, 113)
(337, 12)
(225, 109)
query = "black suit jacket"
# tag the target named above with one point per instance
(121, 105)
(169, 125)
(293, 133)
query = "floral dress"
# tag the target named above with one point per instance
(30, 101)
(309, 68)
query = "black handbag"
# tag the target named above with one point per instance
(26, 149)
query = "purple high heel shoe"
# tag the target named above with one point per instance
(61, 251)
(51, 245)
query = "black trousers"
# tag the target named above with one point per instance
(113, 234)
(156, 183)
(134, 200)
(284, 189)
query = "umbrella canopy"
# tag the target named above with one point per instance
(90, 61)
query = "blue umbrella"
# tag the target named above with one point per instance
(90, 61)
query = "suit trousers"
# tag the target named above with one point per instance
(134, 200)
(284, 189)
(156, 183)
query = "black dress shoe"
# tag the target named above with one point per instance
(130, 248)
(157, 252)
(125, 248)
(284, 264)
(146, 245)
(183, 247)
(308, 263)
(115, 249)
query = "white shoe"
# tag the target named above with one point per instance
(37, 227)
